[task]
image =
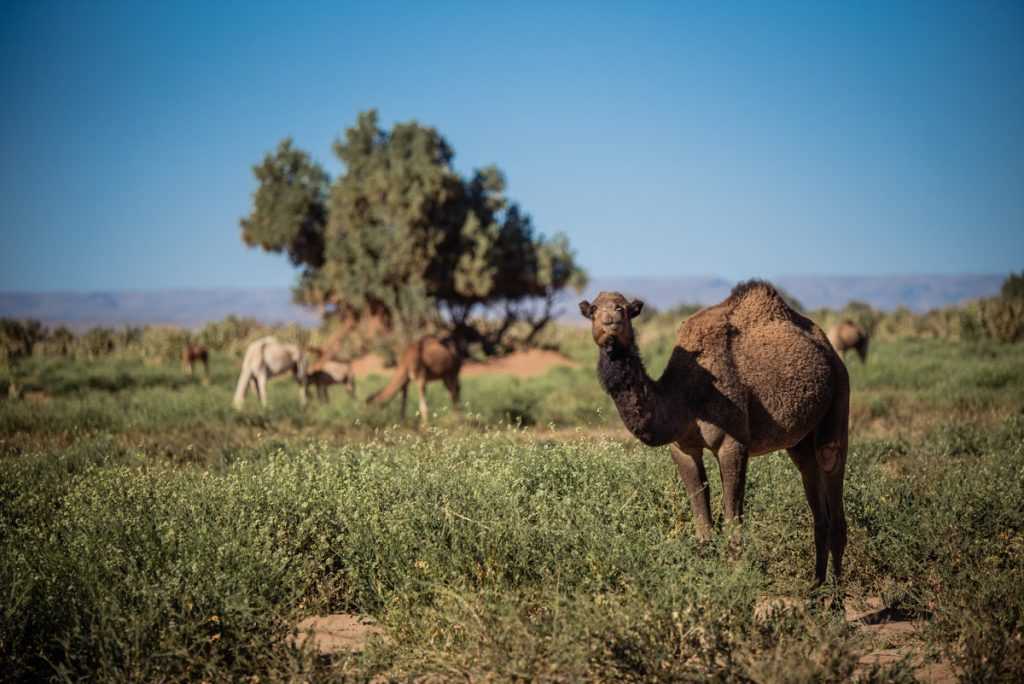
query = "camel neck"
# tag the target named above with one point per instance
(637, 397)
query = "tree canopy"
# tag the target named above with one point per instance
(401, 236)
(1013, 286)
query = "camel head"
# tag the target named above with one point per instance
(610, 316)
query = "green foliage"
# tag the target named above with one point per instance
(863, 314)
(1003, 318)
(402, 232)
(1013, 286)
(18, 339)
(289, 206)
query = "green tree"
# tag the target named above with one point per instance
(289, 206)
(863, 314)
(402, 238)
(1013, 286)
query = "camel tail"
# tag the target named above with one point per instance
(832, 436)
(399, 380)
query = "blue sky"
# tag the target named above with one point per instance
(738, 139)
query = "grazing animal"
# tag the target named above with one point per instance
(431, 358)
(323, 374)
(848, 335)
(192, 353)
(265, 358)
(747, 376)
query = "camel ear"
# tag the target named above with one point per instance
(634, 308)
(587, 309)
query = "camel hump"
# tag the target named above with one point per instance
(758, 300)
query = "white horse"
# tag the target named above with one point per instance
(265, 358)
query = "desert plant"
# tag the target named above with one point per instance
(1002, 318)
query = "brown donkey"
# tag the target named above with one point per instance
(747, 376)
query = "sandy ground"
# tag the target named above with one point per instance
(890, 635)
(522, 364)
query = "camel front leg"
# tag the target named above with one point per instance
(690, 463)
(732, 465)
(421, 387)
(240, 389)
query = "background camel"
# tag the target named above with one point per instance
(265, 358)
(192, 353)
(848, 335)
(430, 358)
(323, 374)
(747, 376)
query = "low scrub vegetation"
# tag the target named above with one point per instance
(149, 532)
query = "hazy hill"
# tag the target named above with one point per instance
(918, 293)
(195, 307)
(186, 308)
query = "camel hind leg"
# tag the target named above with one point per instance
(831, 443)
(261, 386)
(803, 455)
(821, 458)
(452, 383)
(832, 487)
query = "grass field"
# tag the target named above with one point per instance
(149, 532)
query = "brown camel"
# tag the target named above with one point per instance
(192, 353)
(325, 373)
(848, 335)
(430, 358)
(747, 376)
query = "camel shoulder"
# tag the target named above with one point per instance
(704, 330)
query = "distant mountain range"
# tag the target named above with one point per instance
(916, 292)
(190, 308)
(186, 308)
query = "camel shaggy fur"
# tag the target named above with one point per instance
(428, 359)
(265, 358)
(747, 376)
(848, 335)
(323, 374)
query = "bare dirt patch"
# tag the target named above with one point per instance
(896, 635)
(890, 634)
(521, 364)
(336, 633)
